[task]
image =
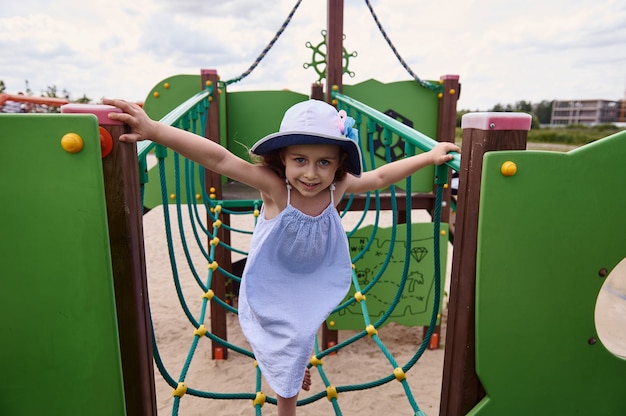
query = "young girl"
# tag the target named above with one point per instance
(299, 267)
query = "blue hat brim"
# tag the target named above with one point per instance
(274, 142)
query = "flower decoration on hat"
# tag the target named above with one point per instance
(345, 123)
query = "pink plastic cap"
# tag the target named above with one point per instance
(496, 121)
(100, 111)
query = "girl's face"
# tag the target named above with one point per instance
(310, 168)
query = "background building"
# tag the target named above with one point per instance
(588, 112)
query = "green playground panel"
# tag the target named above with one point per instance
(407, 102)
(250, 115)
(170, 93)
(60, 351)
(544, 234)
(417, 299)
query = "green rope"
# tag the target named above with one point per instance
(199, 230)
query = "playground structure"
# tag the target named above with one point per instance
(508, 191)
(504, 354)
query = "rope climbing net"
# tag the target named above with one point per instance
(189, 180)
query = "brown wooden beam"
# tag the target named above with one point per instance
(461, 388)
(334, 47)
(125, 216)
(222, 256)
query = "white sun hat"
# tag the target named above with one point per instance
(315, 122)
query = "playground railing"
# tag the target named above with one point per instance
(411, 136)
(186, 111)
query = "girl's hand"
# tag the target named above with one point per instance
(440, 152)
(142, 127)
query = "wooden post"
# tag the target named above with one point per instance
(222, 256)
(482, 132)
(125, 220)
(330, 337)
(334, 47)
(334, 72)
(446, 126)
(446, 132)
(317, 92)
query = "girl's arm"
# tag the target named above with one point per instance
(393, 172)
(199, 149)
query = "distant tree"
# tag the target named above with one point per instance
(2, 86)
(543, 111)
(84, 99)
(523, 106)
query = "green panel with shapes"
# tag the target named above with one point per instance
(417, 299)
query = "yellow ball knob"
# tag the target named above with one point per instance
(508, 168)
(72, 143)
(156, 94)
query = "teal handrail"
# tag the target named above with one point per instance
(410, 135)
(175, 116)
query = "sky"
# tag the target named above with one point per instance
(503, 52)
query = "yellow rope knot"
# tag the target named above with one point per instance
(208, 294)
(371, 330)
(213, 266)
(359, 296)
(331, 393)
(200, 331)
(218, 223)
(315, 361)
(256, 213)
(399, 374)
(180, 390)
(259, 400)
(218, 208)
(215, 241)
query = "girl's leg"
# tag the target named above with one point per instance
(287, 406)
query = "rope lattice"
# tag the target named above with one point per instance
(203, 233)
(267, 48)
(425, 84)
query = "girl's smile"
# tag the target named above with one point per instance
(311, 168)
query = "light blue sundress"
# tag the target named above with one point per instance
(298, 270)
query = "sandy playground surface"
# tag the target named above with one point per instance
(361, 362)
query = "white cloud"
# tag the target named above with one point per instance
(503, 52)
